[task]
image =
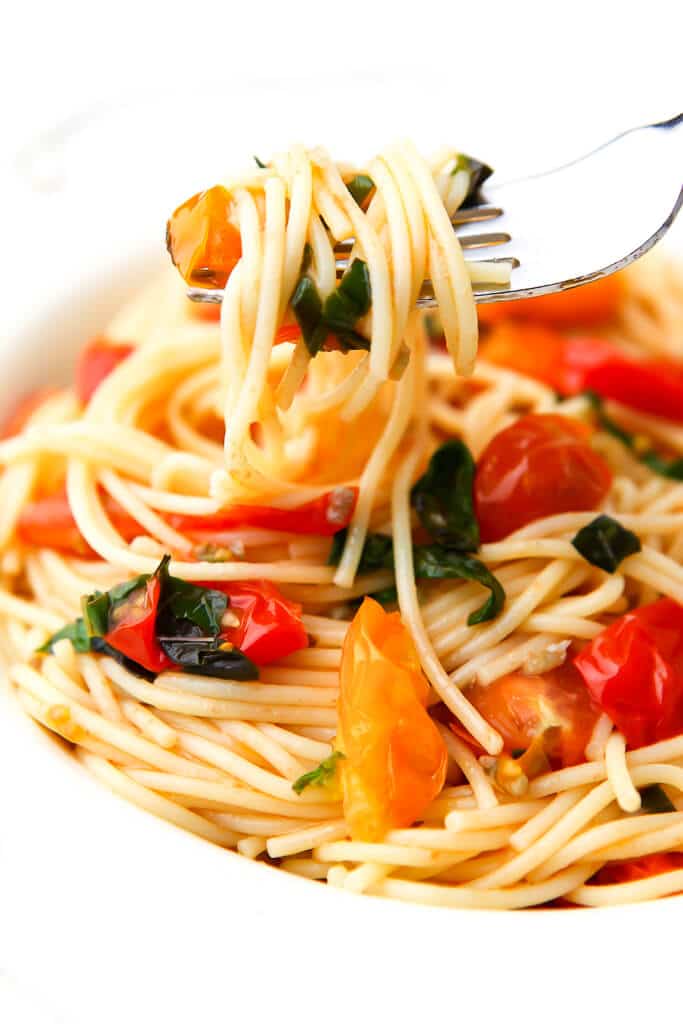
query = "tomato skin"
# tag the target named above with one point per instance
(270, 625)
(134, 633)
(522, 707)
(202, 242)
(539, 466)
(96, 361)
(395, 758)
(48, 522)
(574, 364)
(634, 671)
(21, 413)
(618, 871)
(587, 305)
(323, 517)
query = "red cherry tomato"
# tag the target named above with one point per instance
(323, 516)
(539, 466)
(49, 523)
(575, 364)
(21, 413)
(270, 625)
(95, 362)
(395, 758)
(132, 627)
(640, 867)
(634, 671)
(522, 708)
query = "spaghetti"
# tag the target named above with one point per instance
(458, 747)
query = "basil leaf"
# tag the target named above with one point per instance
(653, 800)
(350, 300)
(95, 608)
(319, 776)
(306, 258)
(208, 656)
(605, 422)
(360, 187)
(606, 543)
(100, 646)
(671, 468)
(181, 601)
(442, 498)
(260, 164)
(434, 562)
(479, 172)
(378, 551)
(76, 632)
(308, 307)
(389, 595)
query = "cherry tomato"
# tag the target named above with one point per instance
(395, 758)
(49, 523)
(270, 625)
(324, 516)
(539, 466)
(21, 413)
(95, 362)
(634, 671)
(555, 705)
(587, 305)
(132, 625)
(202, 242)
(640, 867)
(575, 364)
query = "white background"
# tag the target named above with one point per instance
(540, 81)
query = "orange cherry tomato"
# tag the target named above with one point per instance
(523, 708)
(539, 466)
(20, 414)
(593, 303)
(202, 242)
(96, 361)
(395, 758)
(651, 864)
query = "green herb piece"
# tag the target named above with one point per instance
(308, 307)
(208, 656)
(606, 543)
(478, 172)
(320, 776)
(180, 601)
(378, 551)
(434, 562)
(388, 595)
(350, 300)
(653, 800)
(442, 498)
(306, 258)
(671, 468)
(605, 422)
(260, 164)
(360, 187)
(76, 632)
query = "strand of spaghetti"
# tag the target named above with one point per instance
(149, 520)
(470, 718)
(493, 817)
(471, 769)
(595, 749)
(376, 466)
(618, 775)
(627, 892)
(545, 818)
(100, 689)
(123, 786)
(148, 724)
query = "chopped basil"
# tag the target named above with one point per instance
(388, 595)
(199, 607)
(605, 422)
(319, 776)
(306, 258)
(478, 172)
(76, 632)
(360, 187)
(208, 656)
(260, 164)
(606, 543)
(431, 561)
(434, 562)
(338, 314)
(442, 498)
(672, 468)
(653, 800)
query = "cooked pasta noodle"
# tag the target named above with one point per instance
(204, 415)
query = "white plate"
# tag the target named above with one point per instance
(108, 914)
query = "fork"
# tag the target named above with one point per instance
(568, 226)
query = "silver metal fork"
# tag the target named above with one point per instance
(568, 226)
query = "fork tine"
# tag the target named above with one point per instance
(481, 240)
